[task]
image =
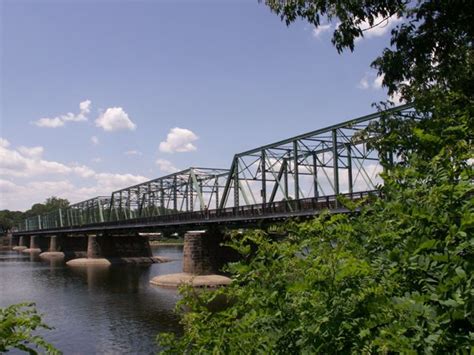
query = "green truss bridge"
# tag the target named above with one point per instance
(298, 176)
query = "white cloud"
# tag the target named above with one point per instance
(377, 84)
(370, 81)
(364, 83)
(114, 119)
(97, 160)
(166, 166)
(94, 140)
(31, 152)
(50, 122)
(380, 27)
(85, 106)
(27, 178)
(4, 143)
(133, 152)
(318, 31)
(179, 140)
(59, 121)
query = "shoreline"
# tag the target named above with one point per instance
(155, 243)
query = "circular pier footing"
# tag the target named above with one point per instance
(52, 255)
(19, 248)
(175, 280)
(31, 250)
(87, 262)
(116, 261)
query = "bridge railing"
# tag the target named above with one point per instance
(277, 209)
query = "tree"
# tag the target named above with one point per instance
(17, 324)
(398, 276)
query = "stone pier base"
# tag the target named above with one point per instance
(34, 247)
(202, 258)
(176, 280)
(52, 252)
(21, 244)
(107, 250)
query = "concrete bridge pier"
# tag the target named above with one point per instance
(202, 258)
(116, 249)
(21, 244)
(53, 250)
(34, 245)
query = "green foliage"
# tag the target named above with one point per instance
(9, 219)
(398, 277)
(17, 324)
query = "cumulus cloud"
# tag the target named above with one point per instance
(370, 81)
(31, 152)
(115, 119)
(166, 166)
(380, 26)
(94, 140)
(179, 140)
(4, 143)
(27, 178)
(59, 121)
(318, 31)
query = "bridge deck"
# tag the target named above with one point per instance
(243, 215)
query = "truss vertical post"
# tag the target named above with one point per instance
(349, 168)
(264, 179)
(162, 198)
(60, 218)
(216, 184)
(296, 173)
(101, 212)
(236, 183)
(315, 175)
(335, 158)
(175, 194)
(186, 196)
(285, 178)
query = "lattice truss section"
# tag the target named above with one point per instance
(193, 189)
(321, 163)
(94, 210)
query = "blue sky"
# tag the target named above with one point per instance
(153, 86)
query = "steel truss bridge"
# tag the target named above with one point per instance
(298, 176)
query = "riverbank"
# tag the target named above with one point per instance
(156, 243)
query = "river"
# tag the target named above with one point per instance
(95, 310)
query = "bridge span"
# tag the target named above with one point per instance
(296, 177)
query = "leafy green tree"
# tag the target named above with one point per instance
(9, 219)
(17, 324)
(54, 203)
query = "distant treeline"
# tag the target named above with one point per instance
(9, 219)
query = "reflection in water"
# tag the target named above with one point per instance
(94, 309)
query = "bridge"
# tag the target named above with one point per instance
(296, 177)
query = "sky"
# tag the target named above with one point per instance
(97, 95)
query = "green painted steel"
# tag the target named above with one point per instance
(325, 162)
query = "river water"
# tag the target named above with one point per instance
(95, 310)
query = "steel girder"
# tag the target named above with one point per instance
(184, 191)
(324, 162)
(90, 211)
